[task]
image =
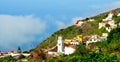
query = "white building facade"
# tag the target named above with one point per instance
(69, 50)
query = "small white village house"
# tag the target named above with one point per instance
(79, 23)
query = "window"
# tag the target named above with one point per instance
(59, 44)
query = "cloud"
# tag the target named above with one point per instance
(18, 30)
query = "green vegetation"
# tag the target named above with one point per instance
(9, 59)
(111, 45)
(84, 55)
(116, 19)
(109, 51)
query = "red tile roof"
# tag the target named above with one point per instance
(91, 46)
(77, 21)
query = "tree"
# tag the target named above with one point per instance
(117, 19)
(107, 25)
(19, 50)
(114, 35)
(7, 59)
(113, 40)
(81, 50)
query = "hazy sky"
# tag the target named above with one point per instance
(26, 23)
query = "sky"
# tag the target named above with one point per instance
(26, 23)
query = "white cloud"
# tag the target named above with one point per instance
(19, 30)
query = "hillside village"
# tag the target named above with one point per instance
(68, 46)
(63, 45)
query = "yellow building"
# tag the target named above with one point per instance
(67, 41)
(79, 38)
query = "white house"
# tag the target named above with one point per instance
(104, 34)
(96, 38)
(69, 49)
(112, 24)
(109, 17)
(74, 43)
(26, 54)
(108, 29)
(79, 23)
(118, 14)
(91, 20)
(101, 25)
(93, 38)
(51, 52)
